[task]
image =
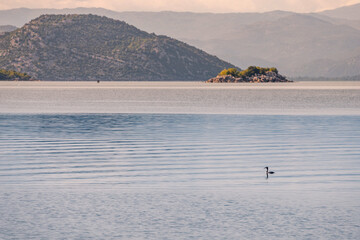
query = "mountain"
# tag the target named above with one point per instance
(297, 44)
(348, 12)
(6, 28)
(90, 47)
(20, 16)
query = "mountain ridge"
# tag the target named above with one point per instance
(351, 12)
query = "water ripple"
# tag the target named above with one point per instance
(166, 150)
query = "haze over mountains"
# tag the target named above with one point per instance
(348, 12)
(6, 28)
(325, 44)
(90, 47)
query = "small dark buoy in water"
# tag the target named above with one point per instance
(268, 172)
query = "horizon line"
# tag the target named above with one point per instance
(173, 11)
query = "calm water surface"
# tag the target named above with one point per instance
(121, 175)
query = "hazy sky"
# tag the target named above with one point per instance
(185, 5)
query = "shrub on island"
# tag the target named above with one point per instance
(249, 72)
(13, 75)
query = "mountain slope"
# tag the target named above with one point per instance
(287, 43)
(348, 12)
(89, 47)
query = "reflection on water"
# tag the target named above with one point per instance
(185, 176)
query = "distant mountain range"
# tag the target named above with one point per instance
(6, 28)
(348, 12)
(90, 47)
(324, 44)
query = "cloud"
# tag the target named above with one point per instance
(185, 5)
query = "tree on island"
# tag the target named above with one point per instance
(249, 72)
(231, 71)
(13, 75)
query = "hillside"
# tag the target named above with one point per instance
(297, 44)
(89, 47)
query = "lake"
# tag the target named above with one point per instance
(170, 160)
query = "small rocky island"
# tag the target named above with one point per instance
(252, 74)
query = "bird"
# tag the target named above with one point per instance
(267, 171)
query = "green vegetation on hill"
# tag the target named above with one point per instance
(90, 47)
(249, 72)
(13, 75)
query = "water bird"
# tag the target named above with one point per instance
(267, 171)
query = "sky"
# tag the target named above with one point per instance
(185, 5)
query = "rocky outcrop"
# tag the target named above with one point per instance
(257, 78)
